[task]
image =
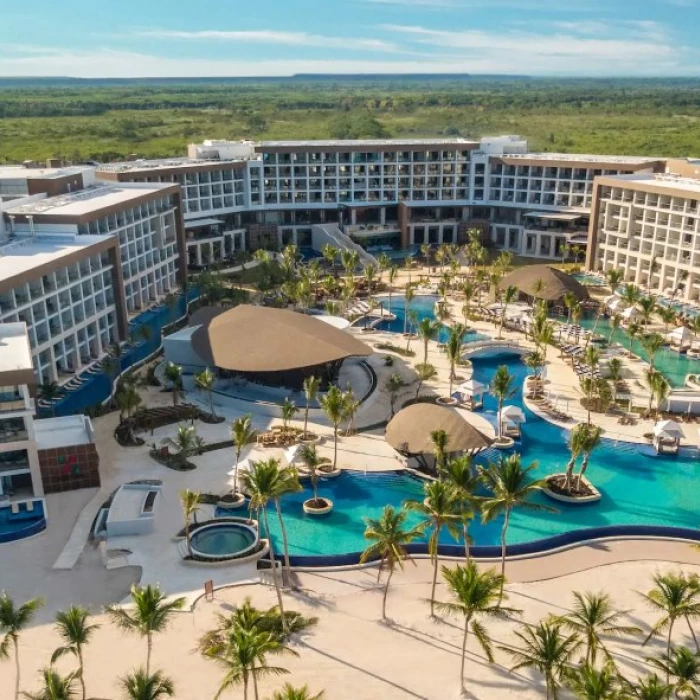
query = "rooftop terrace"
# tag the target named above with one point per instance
(15, 352)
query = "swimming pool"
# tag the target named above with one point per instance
(639, 490)
(424, 306)
(223, 539)
(24, 523)
(590, 280)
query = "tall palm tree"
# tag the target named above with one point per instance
(128, 400)
(510, 487)
(351, 406)
(667, 316)
(425, 251)
(469, 291)
(424, 373)
(570, 302)
(676, 597)
(242, 433)
(614, 374)
(439, 440)
(370, 275)
(453, 349)
(329, 254)
(289, 692)
(393, 273)
(546, 648)
(594, 617)
(408, 298)
(262, 483)
(333, 405)
(503, 388)
(311, 387)
(55, 687)
(150, 613)
(142, 685)
(614, 277)
(652, 343)
(682, 666)
(394, 384)
(630, 294)
(647, 307)
(388, 538)
(577, 440)
(475, 594)
(289, 410)
(591, 440)
(651, 687)
(205, 381)
(75, 631)
(190, 501)
(173, 375)
(460, 473)
(615, 322)
(426, 330)
(13, 621)
(660, 388)
(510, 294)
(309, 455)
(587, 682)
(440, 508)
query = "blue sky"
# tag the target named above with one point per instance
(147, 38)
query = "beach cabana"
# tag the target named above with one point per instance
(667, 437)
(471, 394)
(680, 338)
(512, 418)
(614, 304)
(630, 314)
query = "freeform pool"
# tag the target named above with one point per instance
(220, 540)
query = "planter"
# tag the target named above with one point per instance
(311, 439)
(327, 471)
(231, 501)
(592, 494)
(310, 507)
(446, 401)
(503, 443)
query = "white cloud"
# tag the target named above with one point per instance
(266, 36)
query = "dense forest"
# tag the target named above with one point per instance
(103, 120)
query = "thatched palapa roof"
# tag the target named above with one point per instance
(554, 283)
(260, 339)
(409, 430)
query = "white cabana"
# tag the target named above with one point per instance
(512, 418)
(680, 336)
(630, 313)
(667, 437)
(616, 305)
(471, 394)
(291, 455)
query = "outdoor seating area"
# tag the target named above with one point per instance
(278, 436)
(667, 437)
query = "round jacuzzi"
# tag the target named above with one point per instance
(223, 540)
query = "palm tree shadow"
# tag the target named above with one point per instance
(311, 598)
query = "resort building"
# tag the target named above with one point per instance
(648, 226)
(74, 266)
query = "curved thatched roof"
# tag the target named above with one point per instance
(260, 339)
(555, 283)
(409, 430)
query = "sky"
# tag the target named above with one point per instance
(200, 38)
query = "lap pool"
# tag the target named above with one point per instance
(641, 494)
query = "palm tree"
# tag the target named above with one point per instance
(459, 472)
(683, 666)
(393, 272)
(502, 387)
(594, 617)
(590, 683)
(75, 631)
(667, 315)
(630, 294)
(614, 374)
(351, 406)
(173, 374)
(660, 389)
(333, 405)
(50, 392)
(370, 275)
(453, 349)
(614, 277)
(546, 648)
(510, 487)
(676, 597)
(242, 433)
(615, 322)
(570, 302)
(534, 361)
(651, 687)
(469, 291)
(475, 594)
(311, 387)
(309, 455)
(408, 298)
(190, 501)
(289, 410)
(111, 367)
(186, 442)
(289, 692)
(426, 330)
(647, 306)
(439, 440)
(142, 685)
(424, 373)
(652, 343)
(425, 251)
(150, 613)
(13, 621)
(509, 295)
(329, 254)
(394, 385)
(128, 400)
(633, 331)
(388, 539)
(591, 440)
(441, 507)
(205, 381)
(577, 440)
(55, 687)
(262, 482)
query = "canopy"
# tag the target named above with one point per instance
(291, 454)
(615, 304)
(680, 335)
(544, 282)
(630, 313)
(668, 428)
(409, 430)
(512, 414)
(472, 388)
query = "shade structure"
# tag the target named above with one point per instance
(668, 429)
(409, 430)
(630, 313)
(615, 304)
(680, 335)
(472, 388)
(512, 414)
(544, 282)
(258, 339)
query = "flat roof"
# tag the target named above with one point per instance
(15, 351)
(90, 199)
(553, 215)
(25, 254)
(20, 172)
(165, 164)
(63, 432)
(577, 157)
(358, 143)
(666, 181)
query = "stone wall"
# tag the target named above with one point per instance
(70, 468)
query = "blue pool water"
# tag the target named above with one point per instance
(638, 489)
(14, 526)
(424, 306)
(222, 539)
(590, 280)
